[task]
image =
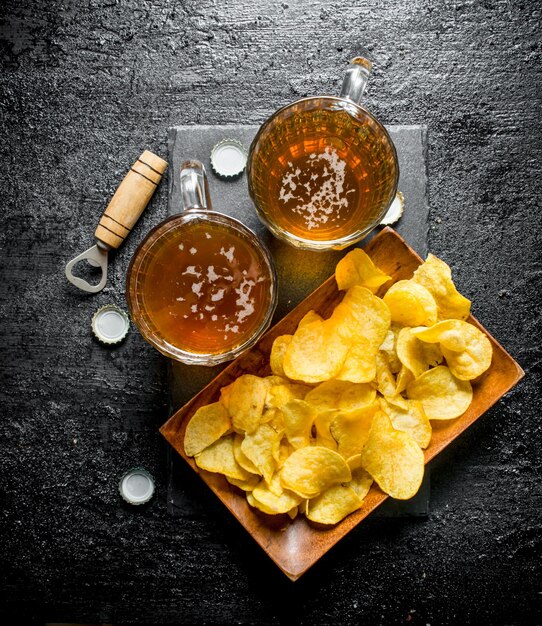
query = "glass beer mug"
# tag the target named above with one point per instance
(201, 287)
(323, 171)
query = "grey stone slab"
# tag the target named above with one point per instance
(299, 271)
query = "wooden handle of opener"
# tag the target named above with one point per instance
(130, 199)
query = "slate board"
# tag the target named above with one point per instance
(299, 271)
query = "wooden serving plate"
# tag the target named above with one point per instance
(296, 545)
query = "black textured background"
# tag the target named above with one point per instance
(85, 86)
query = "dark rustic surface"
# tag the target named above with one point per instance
(85, 87)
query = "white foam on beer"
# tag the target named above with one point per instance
(228, 253)
(244, 301)
(323, 200)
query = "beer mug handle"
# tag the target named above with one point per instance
(194, 187)
(355, 79)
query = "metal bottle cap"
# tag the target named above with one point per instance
(136, 486)
(395, 211)
(110, 324)
(228, 158)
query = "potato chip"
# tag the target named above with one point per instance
(416, 355)
(273, 498)
(321, 425)
(241, 457)
(350, 430)
(385, 380)
(360, 363)
(363, 320)
(467, 350)
(333, 505)
(245, 485)
(354, 462)
(362, 314)
(279, 395)
(277, 354)
(393, 459)
(436, 277)
(205, 427)
(338, 394)
(404, 378)
(262, 447)
(443, 396)
(310, 470)
(450, 334)
(411, 304)
(388, 346)
(298, 419)
(357, 268)
(246, 401)
(311, 316)
(277, 421)
(411, 420)
(361, 480)
(219, 458)
(315, 354)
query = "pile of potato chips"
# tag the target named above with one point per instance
(351, 397)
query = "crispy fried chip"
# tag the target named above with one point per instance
(443, 396)
(219, 458)
(467, 350)
(436, 277)
(321, 425)
(416, 355)
(404, 378)
(411, 304)
(205, 427)
(279, 395)
(411, 420)
(393, 459)
(277, 354)
(311, 316)
(262, 448)
(350, 430)
(273, 499)
(316, 353)
(298, 419)
(242, 458)
(338, 394)
(246, 401)
(333, 505)
(357, 268)
(245, 485)
(361, 480)
(310, 470)
(363, 320)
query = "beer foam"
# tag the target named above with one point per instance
(244, 301)
(191, 271)
(211, 274)
(321, 198)
(218, 295)
(228, 253)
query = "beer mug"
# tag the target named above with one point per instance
(201, 287)
(323, 171)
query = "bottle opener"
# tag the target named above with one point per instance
(126, 206)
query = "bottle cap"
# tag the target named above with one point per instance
(110, 324)
(395, 211)
(228, 158)
(136, 486)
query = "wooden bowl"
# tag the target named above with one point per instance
(296, 545)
